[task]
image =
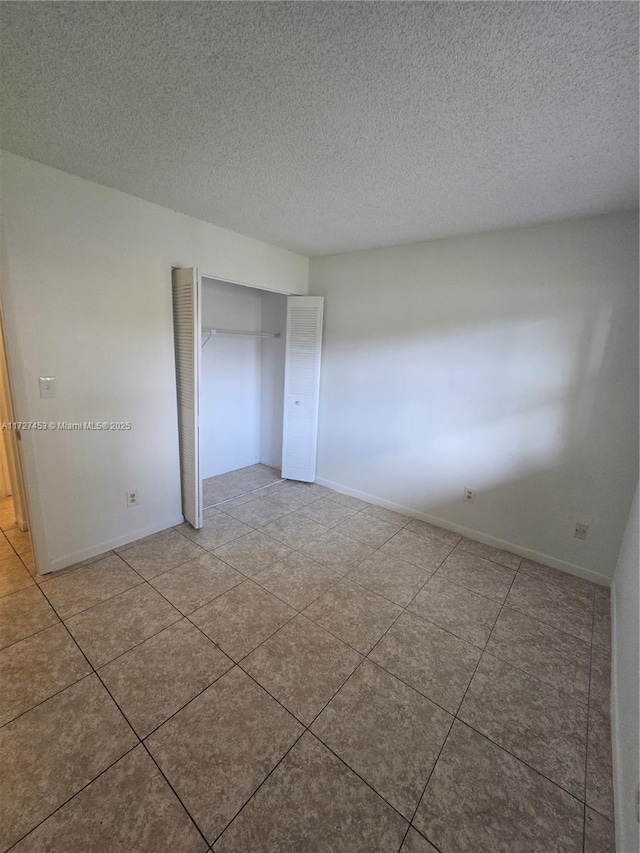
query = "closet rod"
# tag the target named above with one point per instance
(239, 332)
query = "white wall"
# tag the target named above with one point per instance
(505, 361)
(230, 417)
(86, 294)
(625, 711)
(274, 319)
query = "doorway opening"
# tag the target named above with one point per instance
(241, 389)
(15, 540)
(247, 376)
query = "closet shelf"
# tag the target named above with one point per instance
(239, 332)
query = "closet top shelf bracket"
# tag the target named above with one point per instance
(212, 332)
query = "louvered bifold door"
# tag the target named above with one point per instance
(301, 387)
(186, 333)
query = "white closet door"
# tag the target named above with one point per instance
(301, 387)
(187, 323)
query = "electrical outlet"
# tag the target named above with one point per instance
(581, 530)
(469, 494)
(132, 497)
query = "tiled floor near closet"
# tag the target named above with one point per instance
(306, 673)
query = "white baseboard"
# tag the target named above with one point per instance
(94, 551)
(470, 533)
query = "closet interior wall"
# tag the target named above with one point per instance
(242, 378)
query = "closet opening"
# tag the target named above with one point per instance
(242, 376)
(247, 381)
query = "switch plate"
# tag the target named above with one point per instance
(48, 386)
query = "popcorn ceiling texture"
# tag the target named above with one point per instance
(326, 127)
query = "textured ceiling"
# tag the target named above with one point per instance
(325, 127)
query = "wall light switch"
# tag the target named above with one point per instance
(48, 386)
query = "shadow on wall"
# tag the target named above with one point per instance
(537, 415)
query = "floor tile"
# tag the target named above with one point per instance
(160, 554)
(424, 528)
(213, 493)
(535, 722)
(36, 668)
(433, 661)
(415, 843)
(6, 549)
(599, 765)
(302, 666)
(239, 501)
(215, 757)
(313, 803)
(369, 529)
(254, 476)
(488, 552)
(354, 614)
(7, 517)
(326, 512)
(390, 577)
(155, 679)
(218, 529)
(255, 513)
(601, 635)
(385, 731)
(553, 605)
(466, 614)
(347, 500)
(115, 626)
(13, 576)
(286, 502)
(23, 613)
(600, 685)
(477, 574)
(290, 496)
(293, 530)
(551, 655)
(419, 550)
(242, 618)
(54, 750)
(482, 799)
(337, 551)
(599, 833)
(20, 539)
(387, 515)
(297, 580)
(79, 565)
(314, 490)
(29, 563)
(101, 817)
(83, 588)
(252, 553)
(557, 578)
(195, 583)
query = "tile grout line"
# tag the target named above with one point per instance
(500, 746)
(455, 716)
(75, 794)
(298, 612)
(135, 734)
(307, 728)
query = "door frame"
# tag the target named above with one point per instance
(203, 276)
(22, 489)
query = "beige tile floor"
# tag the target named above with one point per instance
(307, 673)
